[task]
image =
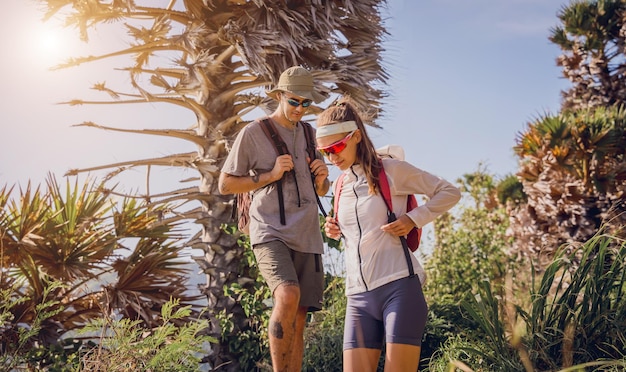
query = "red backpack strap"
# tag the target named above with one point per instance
(383, 185)
(415, 235)
(337, 194)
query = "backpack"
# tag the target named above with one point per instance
(414, 237)
(244, 200)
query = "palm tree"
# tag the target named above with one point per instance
(592, 38)
(225, 52)
(572, 165)
(573, 171)
(62, 246)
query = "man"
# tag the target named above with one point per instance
(288, 252)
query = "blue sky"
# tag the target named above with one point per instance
(466, 77)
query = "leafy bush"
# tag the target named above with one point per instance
(469, 248)
(470, 244)
(324, 333)
(452, 355)
(125, 345)
(18, 340)
(249, 341)
(109, 256)
(579, 310)
(446, 320)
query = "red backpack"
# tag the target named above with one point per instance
(415, 235)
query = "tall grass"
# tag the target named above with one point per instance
(578, 313)
(575, 319)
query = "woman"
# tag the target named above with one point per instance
(385, 302)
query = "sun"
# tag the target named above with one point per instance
(48, 43)
(53, 44)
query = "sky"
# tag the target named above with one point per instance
(465, 78)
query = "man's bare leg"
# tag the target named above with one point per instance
(282, 327)
(298, 341)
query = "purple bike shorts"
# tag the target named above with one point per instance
(394, 313)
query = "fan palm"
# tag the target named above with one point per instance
(62, 245)
(592, 38)
(225, 52)
(573, 172)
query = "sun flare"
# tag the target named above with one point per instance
(50, 44)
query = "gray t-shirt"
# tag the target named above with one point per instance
(252, 150)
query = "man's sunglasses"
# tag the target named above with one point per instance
(295, 103)
(336, 147)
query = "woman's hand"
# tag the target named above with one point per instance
(400, 227)
(331, 229)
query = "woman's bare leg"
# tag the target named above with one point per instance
(360, 360)
(402, 357)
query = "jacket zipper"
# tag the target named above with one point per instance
(358, 222)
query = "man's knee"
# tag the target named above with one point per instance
(287, 294)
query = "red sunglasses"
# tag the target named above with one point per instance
(336, 147)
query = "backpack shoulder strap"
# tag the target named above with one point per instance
(270, 131)
(311, 151)
(310, 140)
(337, 194)
(383, 184)
(281, 148)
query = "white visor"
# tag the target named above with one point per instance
(343, 127)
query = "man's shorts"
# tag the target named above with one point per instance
(279, 264)
(395, 313)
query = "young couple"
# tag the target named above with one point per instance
(385, 303)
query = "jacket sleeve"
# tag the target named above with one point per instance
(405, 179)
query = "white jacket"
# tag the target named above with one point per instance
(373, 257)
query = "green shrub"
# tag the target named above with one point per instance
(446, 319)
(324, 332)
(19, 340)
(457, 352)
(124, 345)
(470, 242)
(250, 340)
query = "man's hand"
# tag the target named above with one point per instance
(320, 171)
(229, 184)
(283, 164)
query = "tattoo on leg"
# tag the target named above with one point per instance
(225, 189)
(276, 330)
